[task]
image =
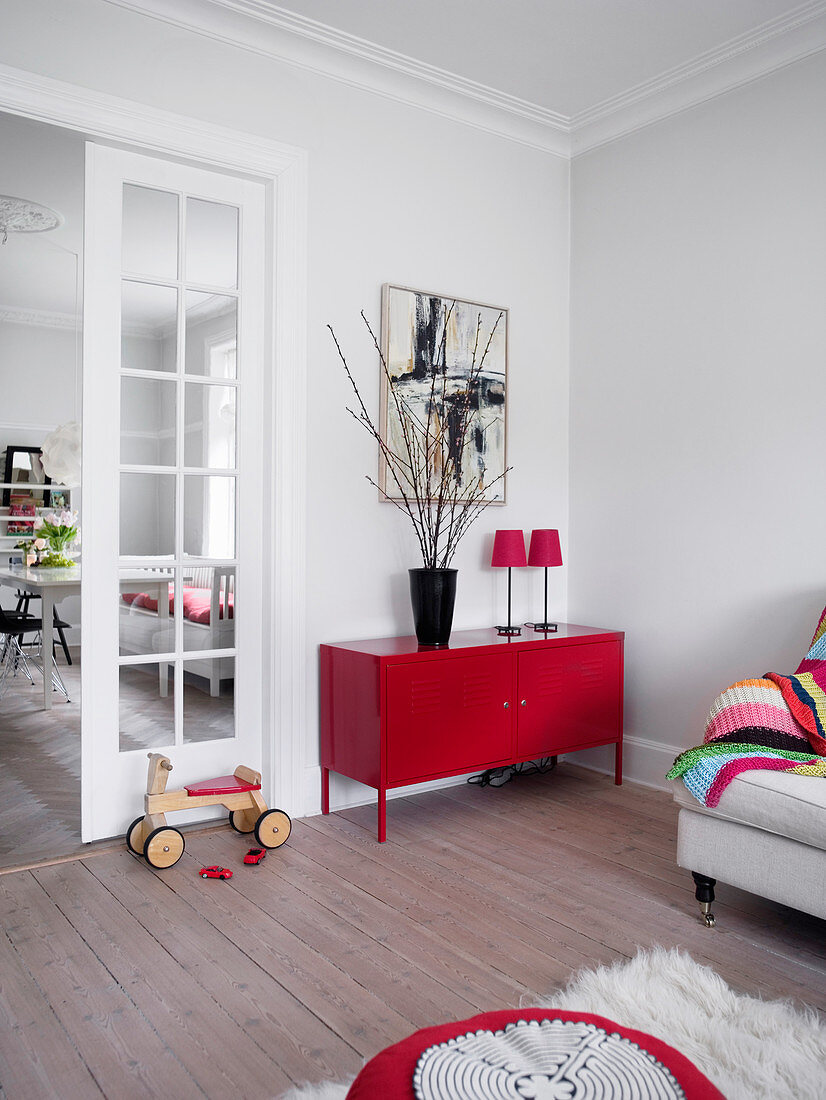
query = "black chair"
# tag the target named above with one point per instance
(13, 627)
(23, 600)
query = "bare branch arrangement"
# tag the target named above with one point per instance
(426, 466)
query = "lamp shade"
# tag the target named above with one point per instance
(60, 454)
(508, 548)
(545, 549)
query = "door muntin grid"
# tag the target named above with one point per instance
(181, 379)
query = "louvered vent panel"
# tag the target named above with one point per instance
(592, 671)
(548, 683)
(425, 696)
(477, 690)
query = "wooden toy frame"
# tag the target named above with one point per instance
(162, 846)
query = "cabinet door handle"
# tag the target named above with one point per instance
(506, 705)
(524, 702)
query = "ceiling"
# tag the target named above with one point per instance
(563, 59)
(566, 56)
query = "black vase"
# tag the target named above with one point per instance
(433, 594)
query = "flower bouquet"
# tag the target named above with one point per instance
(32, 549)
(59, 529)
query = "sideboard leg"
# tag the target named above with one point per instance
(382, 815)
(618, 764)
(325, 790)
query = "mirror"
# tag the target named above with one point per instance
(24, 478)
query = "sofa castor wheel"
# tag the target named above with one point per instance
(704, 893)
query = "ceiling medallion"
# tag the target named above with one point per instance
(25, 216)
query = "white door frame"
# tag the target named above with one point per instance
(283, 169)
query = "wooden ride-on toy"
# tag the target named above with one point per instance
(162, 846)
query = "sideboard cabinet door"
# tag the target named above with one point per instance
(448, 716)
(568, 697)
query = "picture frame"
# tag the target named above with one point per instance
(25, 477)
(420, 327)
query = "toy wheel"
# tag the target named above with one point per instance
(243, 821)
(133, 837)
(164, 847)
(272, 828)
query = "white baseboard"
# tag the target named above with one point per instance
(346, 793)
(644, 762)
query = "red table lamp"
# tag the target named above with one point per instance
(509, 550)
(545, 551)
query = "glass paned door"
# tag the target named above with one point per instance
(173, 375)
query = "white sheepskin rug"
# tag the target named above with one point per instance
(751, 1049)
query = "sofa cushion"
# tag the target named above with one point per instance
(790, 805)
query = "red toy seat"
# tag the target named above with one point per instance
(224, 784)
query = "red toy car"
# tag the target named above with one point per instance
(255, 855)
(215, 872)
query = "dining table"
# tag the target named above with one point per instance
(52, 585)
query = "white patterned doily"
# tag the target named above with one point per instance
(543, 1060)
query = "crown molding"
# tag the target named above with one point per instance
(261, 27)
(769, 48)
(265, 28)
(42, 318)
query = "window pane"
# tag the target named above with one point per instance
(147, 706)
(146, 611)
(147, 515)
(209, 607)
(147, 421)
(211, 243)
(149, 324)
(150, 232)
(209, 516)
(210, 426)
(209, 699)
(211, 334)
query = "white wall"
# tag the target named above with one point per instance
(37, 366)
(697, 398)
(397, 194)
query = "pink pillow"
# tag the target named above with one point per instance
(197, 603)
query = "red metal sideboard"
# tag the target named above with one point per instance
(395, 713)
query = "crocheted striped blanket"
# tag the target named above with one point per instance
(775, 722)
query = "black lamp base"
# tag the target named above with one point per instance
(546, 628)
(509, 630)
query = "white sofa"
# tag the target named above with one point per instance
(767, 836)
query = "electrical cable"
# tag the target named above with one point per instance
(498, 777)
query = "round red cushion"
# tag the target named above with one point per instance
(390, 1074)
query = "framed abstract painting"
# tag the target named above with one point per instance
(446, 373)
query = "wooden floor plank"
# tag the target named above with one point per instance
(471, 981)
(357, 1015)
(175, 1006)
(37, 1056)
(506, 946)
(126, 1056)
(521, 905)
(416, 996)
(336, 946)
(566, 866)
(658, 916)
(273, 1017)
